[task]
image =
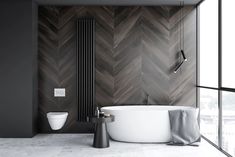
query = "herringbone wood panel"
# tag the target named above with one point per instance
(57, 64)
(161, 41)
(183, 91)
(155, 64)
(136, 50)
(127, 55)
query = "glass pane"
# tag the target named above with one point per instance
(209, 43)
(228, 54)
(209, 114)
(228, 122)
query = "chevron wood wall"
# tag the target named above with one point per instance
(136, 49)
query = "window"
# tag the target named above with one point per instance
(228, 50)
(217, 116)
(209, 114)
(228, 77)
(209, 43)
(228, 122)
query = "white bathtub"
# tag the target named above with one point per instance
(147, 124)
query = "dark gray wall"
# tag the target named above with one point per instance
(137, 49)
(17, 69)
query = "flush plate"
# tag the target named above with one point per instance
(59, 92)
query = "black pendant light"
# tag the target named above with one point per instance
(181, 27)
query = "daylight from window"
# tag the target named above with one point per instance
(228, 122)
(228, 49)
(210, 92)
(209, 43)
(209, 114)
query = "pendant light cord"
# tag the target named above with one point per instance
(181, 26)
(183, 21)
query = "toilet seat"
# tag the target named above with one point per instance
(57, 114)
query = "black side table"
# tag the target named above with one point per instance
(101, 137)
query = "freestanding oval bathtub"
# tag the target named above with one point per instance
(145, 124)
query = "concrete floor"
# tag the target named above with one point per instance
(80, 145)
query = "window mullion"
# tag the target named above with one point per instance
(220, 74)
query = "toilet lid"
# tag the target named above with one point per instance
(57, 114)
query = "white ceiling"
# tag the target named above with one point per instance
(116, 2)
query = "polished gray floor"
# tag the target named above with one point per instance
(80, 145)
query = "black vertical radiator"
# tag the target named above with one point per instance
(85, 68)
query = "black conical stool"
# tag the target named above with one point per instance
(101, 137)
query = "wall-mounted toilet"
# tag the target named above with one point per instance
(57, 119)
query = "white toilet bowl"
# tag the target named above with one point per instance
(57, 119)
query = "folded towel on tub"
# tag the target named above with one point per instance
(184, 127)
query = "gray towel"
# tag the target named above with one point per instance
(184, 127)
